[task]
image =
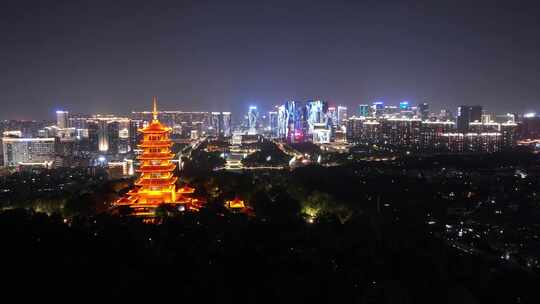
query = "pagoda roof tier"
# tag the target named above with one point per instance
(126, 200)
(157, 156)
(155, 127)
(156, 181)
(133, 192)
(155, 144)
(166, 168)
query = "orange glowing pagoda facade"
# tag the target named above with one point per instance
(156, 184)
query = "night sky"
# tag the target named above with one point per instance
(112, 56)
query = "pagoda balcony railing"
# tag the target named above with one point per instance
(149, 176)
(156, 141)
(158, 179)
(155, 192)
(167, 168)
(156, 155)
(157, 182)
(155, 144)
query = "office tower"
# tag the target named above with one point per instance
(93, 136)
(62, 119)
(404, 105)
(273, 123)
(108, 136)
(467, 114)
(354, 129)
(509, 132)
(103, 136)
(423, 111)
(253, 120)
(320, 133)
(134, 134)
(364, 110)
(220, 124)
(486, 118)
(333, 117)
(123, 140)
(293, 119)
(390, 111)
(530, 126)
(341, 115)
(283, 120)
(227, 131)
(301, 125)
(444, 115)
(216, 125)
(316, 114)
(78, 121)
(377, 108)
(113, 136)
(27, 150)
(475, 113)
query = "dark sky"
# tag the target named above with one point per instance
(112, 56)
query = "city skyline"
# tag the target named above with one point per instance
(242, 113)
(284, 151)
(225, 56)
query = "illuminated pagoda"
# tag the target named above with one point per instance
(156, 184)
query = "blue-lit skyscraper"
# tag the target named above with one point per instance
(285, 119)
(404, 105)
(316, 113)
(363, 110)
(226, 124)
(253, 120)
(292, 121)
(332, 116)
(378, 108)
(273, 123)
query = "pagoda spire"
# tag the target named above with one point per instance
(155, 111)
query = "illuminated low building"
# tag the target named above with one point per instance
(432, 133)
(156, 184)
(238, 205)
(473, 142)
(27, 150)
(401, 131)
(363, 129)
